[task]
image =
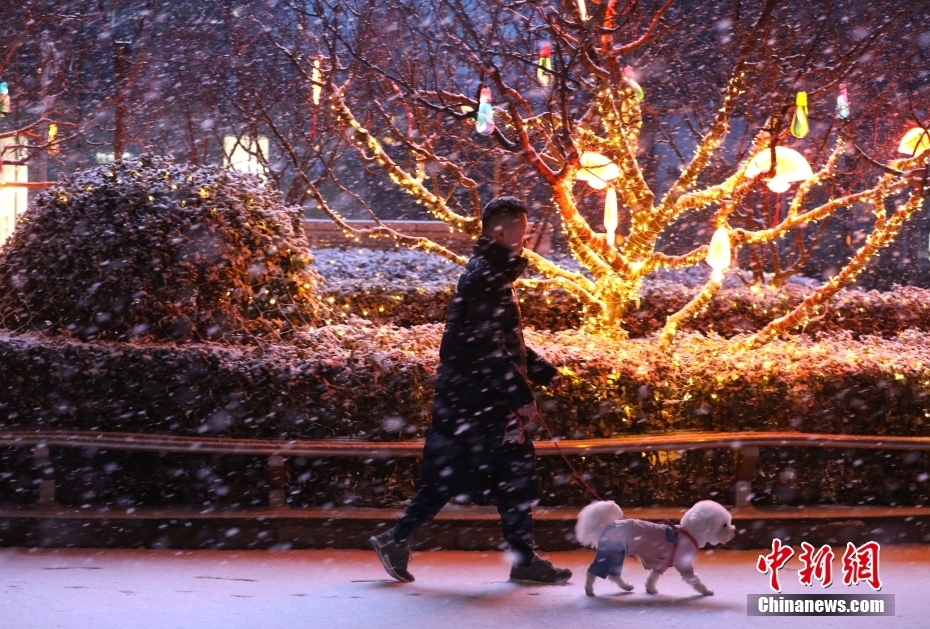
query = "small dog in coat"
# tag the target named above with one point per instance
(601, 525)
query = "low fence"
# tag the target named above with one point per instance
(325, 233)
(746, 446)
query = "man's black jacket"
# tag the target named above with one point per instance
(484, 374)
(483, 360)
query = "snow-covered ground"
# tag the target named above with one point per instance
(319, 589)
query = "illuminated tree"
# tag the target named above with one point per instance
(399, 83)
(409, 114)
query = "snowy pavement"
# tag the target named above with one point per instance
(164, 589)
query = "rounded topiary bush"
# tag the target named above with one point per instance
(153, 249)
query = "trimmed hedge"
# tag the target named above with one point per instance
(734, 310)
(150, 249)
(376, 383)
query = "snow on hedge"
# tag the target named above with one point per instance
(153, 249)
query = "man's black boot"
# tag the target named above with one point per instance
(394, 556)
(539, 571)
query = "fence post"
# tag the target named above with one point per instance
(745, 471)
(277, 481)
(43, 463)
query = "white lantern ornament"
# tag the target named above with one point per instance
(718, 254)
(598, 171)
(790, 166)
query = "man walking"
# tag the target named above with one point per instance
(476, 448)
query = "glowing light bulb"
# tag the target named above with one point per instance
(582, 11)
(790, 166)
(611, 220)
(718, 253)
(915, 142)
(799, 126)
(777, 184)
(484, 121)
(544, 69)
(631, 79)
(317, 87)
(597, 170)
(842, 103)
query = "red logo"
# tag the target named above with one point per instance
(861, 564)
(817, 565)
(774, 561)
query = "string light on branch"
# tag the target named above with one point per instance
(915, 142)
(790, 166)
(484, 121)
(842, 103)
(317, 88)
(630, 77)
(608, 141)
(611, 218)
(544, 69)
(799, 126)
(718, 253)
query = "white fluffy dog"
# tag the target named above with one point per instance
(601, 525)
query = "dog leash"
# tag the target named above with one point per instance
(567, 462)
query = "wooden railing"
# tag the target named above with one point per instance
(745, 444)
(325, 233)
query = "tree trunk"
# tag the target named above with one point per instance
(122, 51)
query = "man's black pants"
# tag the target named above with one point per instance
(452, 467)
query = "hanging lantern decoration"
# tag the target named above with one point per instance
(611, 219)
(842, 103)
(631, 79)
(915, 142)
(718, 253)
(52, 137)
(544, 69)
(317, 88)
(4, 99)
(582, 11)
(778, 185)
(799, 126)
(484, 122)
(790, 166)
(597, 170)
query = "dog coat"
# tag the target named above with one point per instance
(653, 544)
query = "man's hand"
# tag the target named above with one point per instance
(556, 382)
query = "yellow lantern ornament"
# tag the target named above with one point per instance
(915, 142)
(52, 137)
(799, 126)
(611, 218)
(718, 253)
